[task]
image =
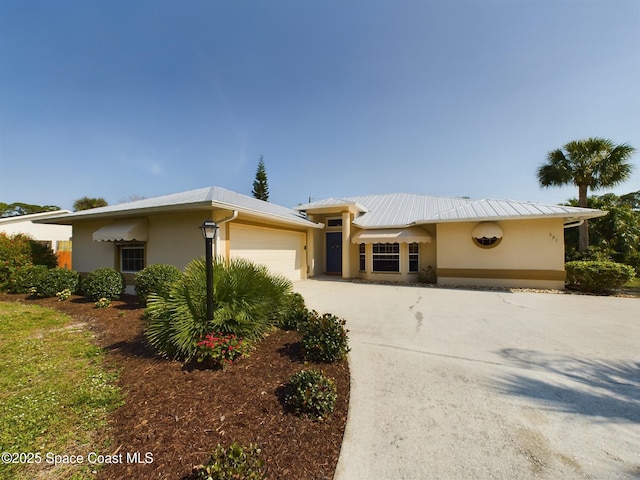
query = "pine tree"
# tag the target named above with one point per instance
(260, 185)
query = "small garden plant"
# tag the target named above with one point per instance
(309, 392)
(219, 350)
(233, 463)
(324, 338)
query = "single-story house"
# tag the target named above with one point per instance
(377, 237)
(52, 235)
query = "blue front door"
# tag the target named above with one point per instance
(334, 252)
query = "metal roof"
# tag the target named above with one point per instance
(402, 209)
(200, 199)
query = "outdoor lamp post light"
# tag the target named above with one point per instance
(209, 228)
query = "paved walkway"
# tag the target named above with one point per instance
(462, 384)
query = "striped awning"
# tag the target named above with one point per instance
(123, 231)
(392, 235)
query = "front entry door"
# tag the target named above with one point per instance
(334, 252)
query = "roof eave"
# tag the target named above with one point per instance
(87, 215)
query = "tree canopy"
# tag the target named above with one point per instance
(19, 208)
(86, 203)
(593, 163)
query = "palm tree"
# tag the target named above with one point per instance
(593, 163)
(86, 203)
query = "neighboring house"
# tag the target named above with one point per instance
(378, 237)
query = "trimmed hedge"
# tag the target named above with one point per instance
(158, 279)
(104, 283)
(56, 280)
(598, 277)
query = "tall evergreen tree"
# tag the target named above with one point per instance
(260, 184)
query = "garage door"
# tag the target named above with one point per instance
(282, 252)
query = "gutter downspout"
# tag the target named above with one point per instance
(233, 216)
(575, 223)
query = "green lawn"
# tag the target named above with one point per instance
(54, 393)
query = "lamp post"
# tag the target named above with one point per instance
(209, 228)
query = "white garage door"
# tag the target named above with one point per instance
(281, 251)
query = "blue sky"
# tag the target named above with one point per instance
(124, 98)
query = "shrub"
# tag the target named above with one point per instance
(428, 275)
(56, 280)
(245, 299)
(598, 277)
(310, 392)
(42, 254)
(294, 314)
(15, 253)
(104, 283)
(156, 279)
(324, 338)
(24, 278)
(219, 350)
(235, 462)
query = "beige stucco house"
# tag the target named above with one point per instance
(377, 237)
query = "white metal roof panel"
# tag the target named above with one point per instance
(209, 197)
(402, 209)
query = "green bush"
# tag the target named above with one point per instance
(42, 254)
(324, 338)
(245, 299)
(310, 392)
(56, 280)
(24, 278)
(597, 277)
(104, 283)
(156, 279)
(294, 314)
(15, 253)
(233, 463)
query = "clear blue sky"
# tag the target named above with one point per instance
(117, 98)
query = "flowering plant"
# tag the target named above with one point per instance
(63, 295)
(220, 350)
(103, 303)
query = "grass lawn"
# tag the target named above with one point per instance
(633, 287)
(54, 394)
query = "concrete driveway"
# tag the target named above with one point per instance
(463, 384)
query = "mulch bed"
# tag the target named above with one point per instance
(179, 414)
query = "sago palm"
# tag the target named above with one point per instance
(247, 300)
(593, 163)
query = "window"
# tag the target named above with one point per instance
(363, 258)
(334, 222)
(414, 257)
(131, 258)
(386, 257)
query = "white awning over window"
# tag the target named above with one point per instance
(392, 235)
(123, 231)
(487, 230)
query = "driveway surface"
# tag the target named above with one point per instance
(464, 384)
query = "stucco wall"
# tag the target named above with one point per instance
(177, 240)
(530, 254)
(88, 255)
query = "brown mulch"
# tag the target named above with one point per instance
(179, 414)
